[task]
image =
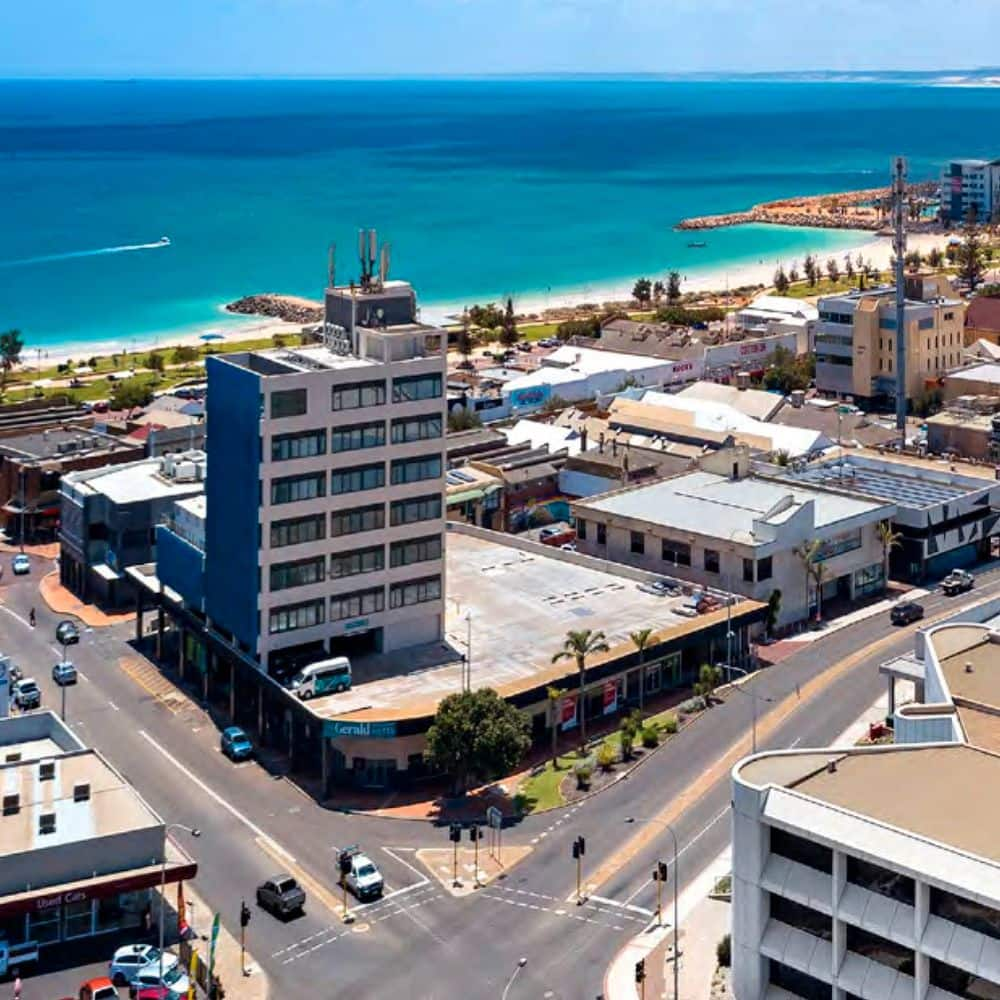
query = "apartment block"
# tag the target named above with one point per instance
(856, 339)
(971, 184)
(325, 519)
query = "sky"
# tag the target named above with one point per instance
(336, 38)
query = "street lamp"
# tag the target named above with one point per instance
(677, 939)
(468, 650)
(753, 696)
(521, 963)
(195, 832)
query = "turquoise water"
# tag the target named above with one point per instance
(484, 188)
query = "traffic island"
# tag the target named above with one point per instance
(458, 871)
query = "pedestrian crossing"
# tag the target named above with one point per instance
(154, 683)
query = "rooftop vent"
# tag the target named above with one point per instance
(968, 666)
(11, 804)
(831, 765)
(81, 793)
(47, 823)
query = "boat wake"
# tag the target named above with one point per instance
(162, 242)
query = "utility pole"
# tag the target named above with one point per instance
(455, 833)
(244, 920)
(345, 860)
(475, 833)
(640, 977)
(579, 850)
(659, 877)
(899, 249)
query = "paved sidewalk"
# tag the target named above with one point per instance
(64, 602)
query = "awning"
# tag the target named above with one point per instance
(97, 887)
(465, 496)
(105, 572)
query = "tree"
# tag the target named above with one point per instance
(11, 346)
(130, 393)
(807, 553)
(927, 402)
(935, 258)
(555, 696)
(848, 267)
(628, 730)
(811, 269)
(913, 260)
(640, 639)
(185, 354)
(508, 328)
(463, 419)
(659, 290)
(970, 253)
(709, 678)
(673, 287)
(773, 611)
(889, 540)
(793, 275)
(781, 282)
(465, 341)
(578, 645)
(579, 328)
(476, 734)
(155, 362)
(833, 270)
(642, 291)
(788, 371)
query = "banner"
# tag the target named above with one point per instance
(211, 947)
(193, 974)
(182, 925)
(568, 713)
(610, 697)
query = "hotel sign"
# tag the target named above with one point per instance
(370, 730)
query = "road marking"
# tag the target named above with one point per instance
(113, 705)
(391, 851)
(795, 743)
(624, 906)
(213, 794)
(14, 614)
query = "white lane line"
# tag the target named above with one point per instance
(620, 905)
(391, 851)
(113, 706)
(82, 676)
(795, 743)
(406, 888)
(14, 614)
(231, 809)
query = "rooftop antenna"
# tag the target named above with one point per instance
(899, 249)
(383, 263)
(372, 251)
(363, 256)
(331, 266)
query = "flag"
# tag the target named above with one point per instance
(211, 948)
(182, 924)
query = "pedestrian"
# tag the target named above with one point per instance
(31, 617)
(17, 985)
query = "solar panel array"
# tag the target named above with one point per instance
(906, 490)
(456, 478)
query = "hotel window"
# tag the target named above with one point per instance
(296, 530)
(764, 569)
(357, 519)
(805, 852)
(358, 395)
(415, 550)
(307, 444)
(414, 387)
(675, 553)
(711, 561)
(581, 529)
(357, 479)
(358, 436)
(414, 470)
(423, 428)
(354, 605)
(402, 595)
(288, 403)
(803, 917)
(359, 561)
(602, 534)
(295, 616)
(297, 574)
(879, 949)
(290, 489)
(427, 508)
(637, 543)
(875, 878)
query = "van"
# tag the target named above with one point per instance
(325, 677)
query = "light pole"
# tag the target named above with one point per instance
(753, 696)
(468, 650)
(677, 939)
(195, 832)
(521, 963)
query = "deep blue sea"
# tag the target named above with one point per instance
(484, 188)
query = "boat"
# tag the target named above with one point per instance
(697, 245)
(165, 240)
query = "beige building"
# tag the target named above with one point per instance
(856, 339)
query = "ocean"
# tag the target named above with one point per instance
(484, 188)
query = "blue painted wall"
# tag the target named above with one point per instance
(233, 499)
(181, 566)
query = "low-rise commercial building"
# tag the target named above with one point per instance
(742, 533)
(967, 431)
(982, 320)
(81, 850)
(970, 185)
(768, 315)
(981, 379)
(856, 339)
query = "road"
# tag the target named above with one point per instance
(420, 940)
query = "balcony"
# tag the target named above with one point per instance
(798, 950)
(798, 882)
(879, 914)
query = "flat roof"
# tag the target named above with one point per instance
(132, 482)
(542, 595)
(44, 444)
(29, 750)
(970, 664)
(705, 503)
(985, 372)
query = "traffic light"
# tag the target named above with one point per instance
(244, 914)
(455, 832)
(660, 872)
(640, 971)
(579, 848)
(345, 862)
(475, 833)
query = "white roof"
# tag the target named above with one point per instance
(541, 435)
(590, 361)
(979, 373)
(715, 506)
(132, 483)
(754, 403)
(783, 305)
(196, 505)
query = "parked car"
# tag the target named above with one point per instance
(525, 345)
(151, 975)
(27, 694)
(130, 958)
(64, 673)
(20, 564)
(908, 611)
(98, 989)
(281, 895)
(557, 534)
(235, 744)
(364, 879)
(101, 406)
(67, 634)
(957, 581)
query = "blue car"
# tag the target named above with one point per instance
(235, 744)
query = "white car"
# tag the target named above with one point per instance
(130, 958)
(173, 978)
(364, 878)
(21, 564)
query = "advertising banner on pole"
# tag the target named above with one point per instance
(211, 947)
(568, 713)
(610, 697)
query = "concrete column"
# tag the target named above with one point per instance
(325, 754)
(232, 692)
(839, 941)
(261, 735)
(892, 695)
(160, 625)
(138, 614)
(921, 912)
(209, 658)
(290, 722)
(181, 656)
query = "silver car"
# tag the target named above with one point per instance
(64, 673)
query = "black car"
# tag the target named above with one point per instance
(67, 634)
(903, 614)
(282, 895)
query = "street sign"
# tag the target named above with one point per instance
(494, 818)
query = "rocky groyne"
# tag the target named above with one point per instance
(290, 308)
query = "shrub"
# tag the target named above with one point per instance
(724, 951)
(606, 757)
(669, 725)
(628, 741)
(185, 354)
(650, 737)
(583, 772)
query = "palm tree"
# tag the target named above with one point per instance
(555, 696)
(640, 640)
(11, 346)
(578, 645)
(890, 540)
(709, 678)
(807, 552)
(818, 571)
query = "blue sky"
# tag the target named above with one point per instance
(333, 38)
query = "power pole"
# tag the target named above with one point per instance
(899, 249)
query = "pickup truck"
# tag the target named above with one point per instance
(282, 895)
(957, 582)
